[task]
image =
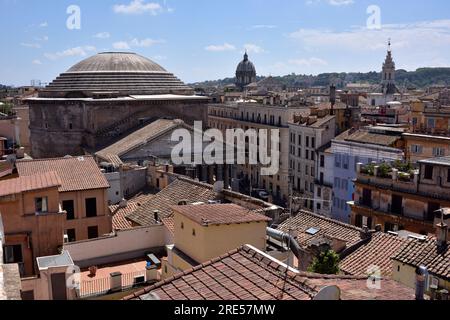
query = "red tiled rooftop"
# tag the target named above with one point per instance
(305, 220)
(29, 183)
(169, 223)
(119, 220)
(76, 173)
(249, 274)
(377, 252)
(217, 214)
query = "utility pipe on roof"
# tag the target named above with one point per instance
(288, 240)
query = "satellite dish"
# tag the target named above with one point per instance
(330, 293)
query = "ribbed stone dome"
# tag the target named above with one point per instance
(117, 73)
(117, 62)
(246, 66)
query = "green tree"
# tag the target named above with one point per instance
(326, 263)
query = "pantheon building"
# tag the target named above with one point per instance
(103, 98)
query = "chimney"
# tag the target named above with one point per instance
(123, 204)
(156, 215)
(421, 275)
(332, 98)
(442, 233)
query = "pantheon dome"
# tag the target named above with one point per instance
(118, 73)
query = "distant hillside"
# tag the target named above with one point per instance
(420, 78)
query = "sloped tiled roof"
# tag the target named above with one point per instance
(29, 183)
(249, 274)
(76, 173)
(178, 190)
(119, 221)
(305, 220)
(217, 214)
(377, 252)
(169, 222)
(138, 138)
(427, 253)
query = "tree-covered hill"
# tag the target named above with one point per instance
(420, 78)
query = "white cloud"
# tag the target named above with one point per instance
(263, 26)
(221, 47)
(37, 61)
(415, 35)
(310, 62)
(144, 42)
(253, 48)
(77, 51)
(159, 57)
(136, 43)
(43, 24)
(331, 2)
(121, 45)
(31, 45)
(138, 7)
(44, 38)
(102, 35)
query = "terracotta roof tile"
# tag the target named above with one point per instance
(248, 274)
(217, 214)
(169, 223)
(377, 252)
(76, 173)
(436, 259)
(119, 220)
(29, 183)
(325, 226)
(170, 196)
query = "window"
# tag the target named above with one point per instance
(313, 156)
(322, 161)
(68, 206)
(71, 235)
(193, 233)
(438, 152)
(337, 183)
(431, 123)
(346, 161)
(93, 232)
(321, 178)
(318, 206)
(428, 172)
(319, 192)
(299, 139)
(313, 142)
(416, 149)
(337, 160)
(299, 152)
(91, 207)
(448, 175)
(182, 225)
(345, 185)
(13, 254)
(307, 142)
(41, 205)
(307, 155)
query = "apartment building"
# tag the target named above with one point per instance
(203, 232)
(307, 136)
(32, 218)
(82, 194)
(271, 115)
(399, 197)
(364, 145)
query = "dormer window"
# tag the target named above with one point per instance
(182, 225)
(193, 233)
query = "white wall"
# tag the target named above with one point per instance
(114, 192)
(127, 244)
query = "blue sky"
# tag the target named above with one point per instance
(205, 39)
